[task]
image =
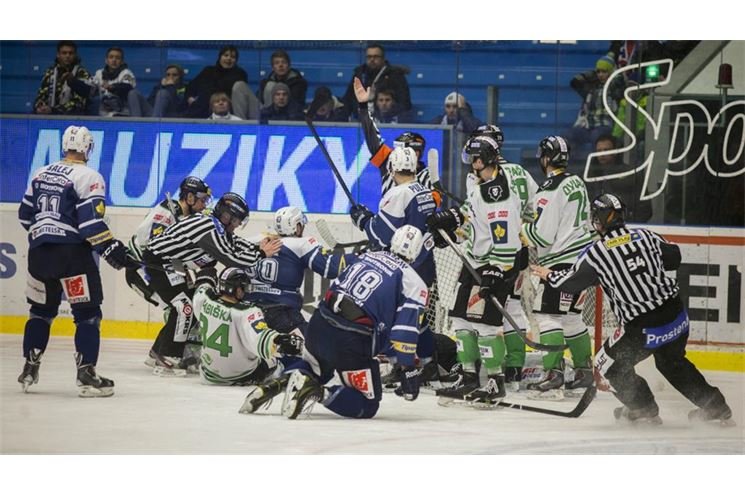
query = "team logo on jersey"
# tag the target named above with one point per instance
(76, 289)
(498, 232)
(100, 208)
(495, 192)
(361, 380)
(619, 241)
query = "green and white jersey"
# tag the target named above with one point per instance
(492, 210)
(561, 228)
(235, 337)
(521, 183)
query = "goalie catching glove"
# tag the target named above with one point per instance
(410, 378)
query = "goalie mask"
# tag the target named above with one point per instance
(286, 220)
(407, 242)
(234, 205)
(77, 139)
(607, 212)
(490, 130)
(556, 149)
(402, 160)
(231, 279)
(411, 140)
(481, 147)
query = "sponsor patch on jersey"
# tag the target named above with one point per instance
(188, 310)
(95, 186)
(361, 380)
(100, 208)
(254, 315)
(617, 334)
(619, 241)
(423, 295)
(402, 347)
(498, 232)
(486, 351)
(542, 202)
(76, 289)
(503, 214)
(157, 229)
(491, 215)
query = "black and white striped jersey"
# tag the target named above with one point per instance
(202, 239)
(630, 265)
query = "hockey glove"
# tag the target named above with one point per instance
(361, 215)
(440, 242)
(117, 255)
(207, 275)
(289, 344)
(410, 379)
(448, 220)
(492, 282)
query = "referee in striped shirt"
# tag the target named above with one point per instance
(630, 265)
(199, 241)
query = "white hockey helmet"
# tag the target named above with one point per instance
(286, 220)
(77, 139)
(407, 242)
(402, 159)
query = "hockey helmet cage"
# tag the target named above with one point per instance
(482, 147)
(402, 160)
(231, 279)
(411, 140)
(407, 242)
(233, 204)
(490, 130)
(77, 139)
(556, 149)
(286, 220)
(607, 212)
(192, 184)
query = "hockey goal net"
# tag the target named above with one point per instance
(596, 313)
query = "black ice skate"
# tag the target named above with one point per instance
(467, 382)
(89, 383)
(391, 380)
(549, 388)
(512, 378)
(261, 396)
(720, 413)
(303, 391)
(638, 416)
(583, 378)
(488, 395)
(30, 374)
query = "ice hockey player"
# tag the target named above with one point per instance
(63, 211)
(194, 196)
(199, 241)
(560, 231)
(490, 220)
(375, 304)
(523, 185)
(276, 281)
(627, 263)
(238, 347)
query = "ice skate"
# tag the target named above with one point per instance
(261, 396)
(303, 391)
(166, 366)
(721, 414)
(90, 384)
(549, 389)
(30, 374)
(390, 380)
(512, 378)
(467, 382)
(583, 378)
(638, 416)
(488, 395)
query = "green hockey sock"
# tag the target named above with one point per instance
(552, 360)
(492, 351)
(515, 350)
(467, 348)
(581, 350)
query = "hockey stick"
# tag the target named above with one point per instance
(584, 402)
(178, 267)
(433, 164)
(495, 302)
(309, 122)
(330, 239)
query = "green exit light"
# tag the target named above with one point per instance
(653, 72)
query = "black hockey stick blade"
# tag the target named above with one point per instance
(312, 127)
(520, 332)
(578, 410)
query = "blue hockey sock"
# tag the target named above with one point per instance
(36, 334)
(349, 402)
(87, 334)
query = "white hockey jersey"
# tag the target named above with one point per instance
(561, 228)
(155, 222)
(235, 338)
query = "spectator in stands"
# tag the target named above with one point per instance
(64, 89)
(282, 107)
(112, 84)
(167, 99)
(629, 188)
(221, 107)
(458, 113)
(225, 76)
(387, 110)
(329, 107)
(624, 52)
(283, 73)
(377, 72)
(594, 119)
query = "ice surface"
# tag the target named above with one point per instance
(154, 415)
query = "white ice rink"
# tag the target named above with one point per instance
(153, 415)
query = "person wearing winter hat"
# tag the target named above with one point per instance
(281, 108)
(458, 113)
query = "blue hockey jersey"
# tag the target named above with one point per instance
(409, 203)
(392, 295)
